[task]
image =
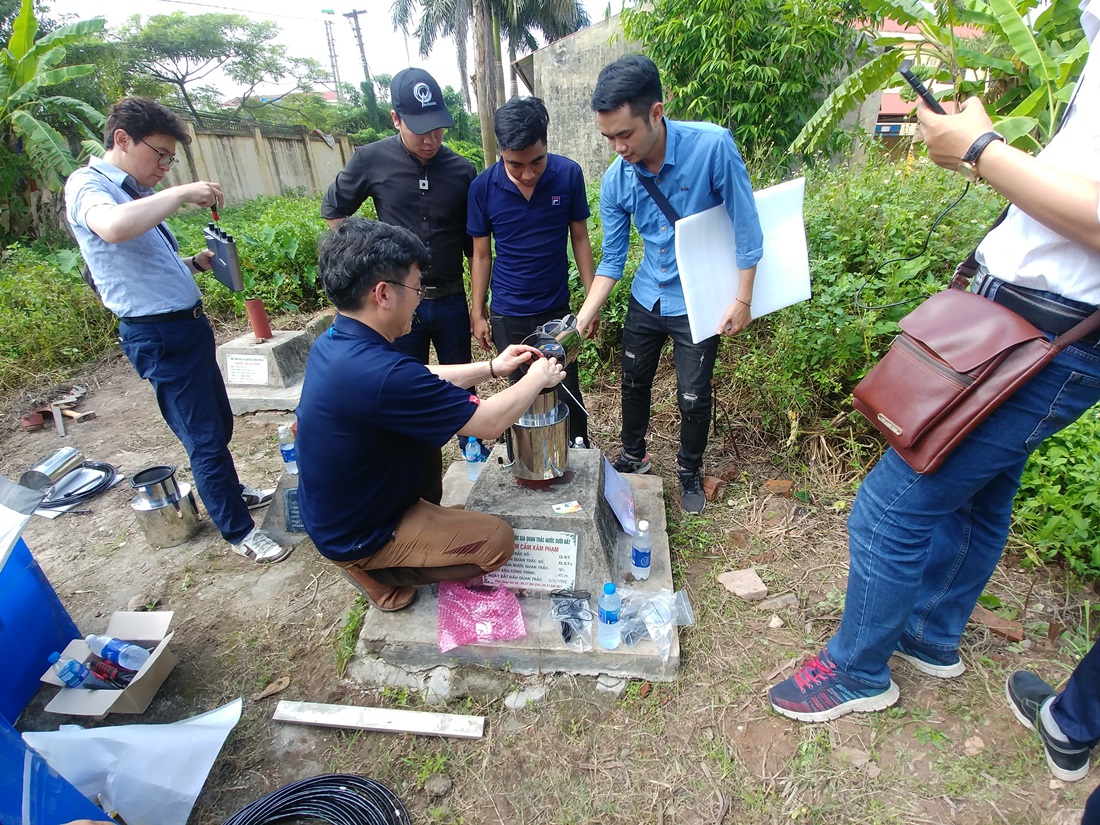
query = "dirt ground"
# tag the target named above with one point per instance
(705, 749)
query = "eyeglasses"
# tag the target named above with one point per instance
(164, 160)
(419, 290)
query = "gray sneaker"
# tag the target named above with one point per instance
(692, 498)
(260, 547)
(1027, 694)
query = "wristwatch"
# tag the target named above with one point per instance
(968, 167)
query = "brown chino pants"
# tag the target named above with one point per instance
(433, 544)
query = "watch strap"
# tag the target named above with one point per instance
(979, 145)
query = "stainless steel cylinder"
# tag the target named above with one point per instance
(156, 486)
(51, 469)
(539, 443)
(169, 524)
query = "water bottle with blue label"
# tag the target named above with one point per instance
(116, 651)
(73, 674)
(474, 460)
(641, 551)
(288, 448)
(610, 604)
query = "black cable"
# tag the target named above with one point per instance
(922, 250)
(109, 474)
(339, 799)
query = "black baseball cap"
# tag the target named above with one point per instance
(416, 97)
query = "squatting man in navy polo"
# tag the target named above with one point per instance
(139, 274)
(530, 202)
(369, 414)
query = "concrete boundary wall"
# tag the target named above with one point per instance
(249, 160)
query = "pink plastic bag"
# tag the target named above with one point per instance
(473, 615)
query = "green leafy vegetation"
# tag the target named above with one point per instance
(1057, 512)
(758, 67)
(348, 637)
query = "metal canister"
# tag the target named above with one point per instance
(156, 486)
(51, 469)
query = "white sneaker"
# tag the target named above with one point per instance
(260, 547)
(256, 498)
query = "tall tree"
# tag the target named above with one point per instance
(552, 19)
(183, 50)
(758, 67)
(438, 18)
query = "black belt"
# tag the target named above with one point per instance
(433, 291)
(178, 315)
(1045, 310)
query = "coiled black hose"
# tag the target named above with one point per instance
(109, 474)
(336, 798)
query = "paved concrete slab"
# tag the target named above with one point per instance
(408, 638)
(263, 399)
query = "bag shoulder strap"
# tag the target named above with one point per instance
(658, 197)
(134, 194)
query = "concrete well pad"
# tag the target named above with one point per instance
(409, 638)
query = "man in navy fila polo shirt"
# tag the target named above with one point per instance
(369, 415)
(531, 202)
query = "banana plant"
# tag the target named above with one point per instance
(27, 67)
(1025, 70)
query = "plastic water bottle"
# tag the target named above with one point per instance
(288, 449)
(610, 604)
(472, 452)
(117, 651)
(640, 552)
(74, 674)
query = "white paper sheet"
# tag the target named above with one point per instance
(706, 257)
(150, 774)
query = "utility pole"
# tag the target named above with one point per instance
(353, 16)
(332, 57)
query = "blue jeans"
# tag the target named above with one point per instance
(178, 359)
(645, 332)
(444, 322)
(1077, 708)
(922, 547)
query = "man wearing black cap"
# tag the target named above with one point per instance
(418, 183)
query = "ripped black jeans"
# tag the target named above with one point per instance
(645, 332)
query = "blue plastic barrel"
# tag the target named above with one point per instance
(33, 624)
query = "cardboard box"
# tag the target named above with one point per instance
(143, 628)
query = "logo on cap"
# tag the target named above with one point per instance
(422, 92)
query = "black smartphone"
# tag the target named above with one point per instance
(920, 88)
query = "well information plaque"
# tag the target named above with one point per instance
(544, 560)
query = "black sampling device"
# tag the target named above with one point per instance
(226, 264)
(922, 91)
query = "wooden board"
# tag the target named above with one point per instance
(380, 719)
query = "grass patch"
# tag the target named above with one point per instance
(349, 635)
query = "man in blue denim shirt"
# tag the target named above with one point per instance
(695, 166)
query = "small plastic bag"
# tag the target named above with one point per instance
(479, 614)
(682, 605)
(571, 611)
(648, 615)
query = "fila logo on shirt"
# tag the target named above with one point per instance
(555, 200)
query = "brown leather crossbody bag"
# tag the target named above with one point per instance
(958, 357)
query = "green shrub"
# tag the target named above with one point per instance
(50, 321)
(805, 359)
(277, 244)
(471, 151)
(1057, 511)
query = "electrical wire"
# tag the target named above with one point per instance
(920, 252)
(87, 491)
(339, 799)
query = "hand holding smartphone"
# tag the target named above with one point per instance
(920, 88)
